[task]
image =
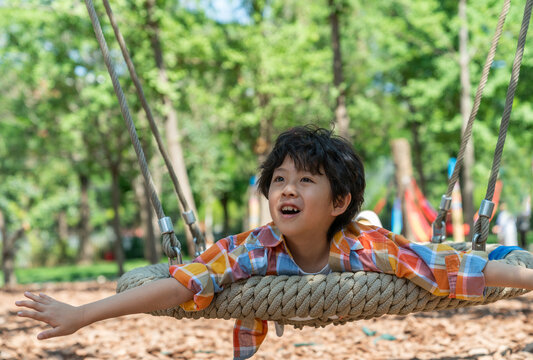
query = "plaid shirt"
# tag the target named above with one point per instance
(438, 268)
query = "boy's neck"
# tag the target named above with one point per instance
(310, 254)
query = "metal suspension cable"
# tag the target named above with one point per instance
(481, 227)
(187, 212)
(165, 223)
(439, 229)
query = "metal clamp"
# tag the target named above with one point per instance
(189, 217)
(486, 208)
(445, 203)
(176, 260)
(165, 225)
(439, 233)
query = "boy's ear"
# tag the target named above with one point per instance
(340, 205)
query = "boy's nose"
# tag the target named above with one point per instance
(289, 190)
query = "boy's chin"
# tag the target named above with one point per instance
(285, 230)
(289, 232)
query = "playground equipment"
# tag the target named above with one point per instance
(323, 299)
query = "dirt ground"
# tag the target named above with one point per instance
(503, 330)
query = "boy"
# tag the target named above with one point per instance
(314, 183)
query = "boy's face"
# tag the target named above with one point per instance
(300, 202)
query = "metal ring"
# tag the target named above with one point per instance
(176, 260)
(477, 244)
(439, 233)
(198, 247)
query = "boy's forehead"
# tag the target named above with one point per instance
(300, 165)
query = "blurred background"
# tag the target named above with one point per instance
(223, 78)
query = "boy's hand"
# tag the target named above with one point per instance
(63, 318)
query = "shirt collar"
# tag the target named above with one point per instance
(346, 240)
(270, 236)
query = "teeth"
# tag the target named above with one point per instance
(289, 210)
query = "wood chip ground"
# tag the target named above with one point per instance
(503, 330)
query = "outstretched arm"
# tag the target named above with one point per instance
(66, 319)
(505, 275)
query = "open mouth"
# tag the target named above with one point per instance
(289, 210)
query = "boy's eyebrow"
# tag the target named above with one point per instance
(281, 169)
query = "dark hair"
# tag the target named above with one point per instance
(312, 149)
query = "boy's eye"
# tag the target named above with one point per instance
(306, 179)
(277, 179)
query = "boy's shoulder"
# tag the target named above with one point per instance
(265, 236)
(357, 230)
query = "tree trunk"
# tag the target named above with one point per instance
(151, 250)
(85, 250)
(342, 121)
(115, 199)
(208, 226)
(8, 252)
(254, 208)
(419, 164)
(224, 200)
(404, 173)
(466, 107)
(173, 136)
(262, 149)
(62, 232)
(157, 174)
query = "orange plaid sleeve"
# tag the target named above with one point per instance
(194, 277)
(225, 262)
(438, 268)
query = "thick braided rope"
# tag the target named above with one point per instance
(477, 101)
(328, 299)
(482, 224)
(193, 227)
(167, 238)
(513, 83)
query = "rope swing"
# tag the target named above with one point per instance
(327, 299)
(318, 300)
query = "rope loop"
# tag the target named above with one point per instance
(172, 248)
(439, 225)
(482, 225)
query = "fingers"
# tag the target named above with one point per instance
(41, 298)
(38, 302)
(30, 304)
(47, 334)
(33, 315)
(45, 297)
(62, 317)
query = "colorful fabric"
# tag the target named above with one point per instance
(438, 268)
(502, 251)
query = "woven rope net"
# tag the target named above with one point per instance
(320, 300)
